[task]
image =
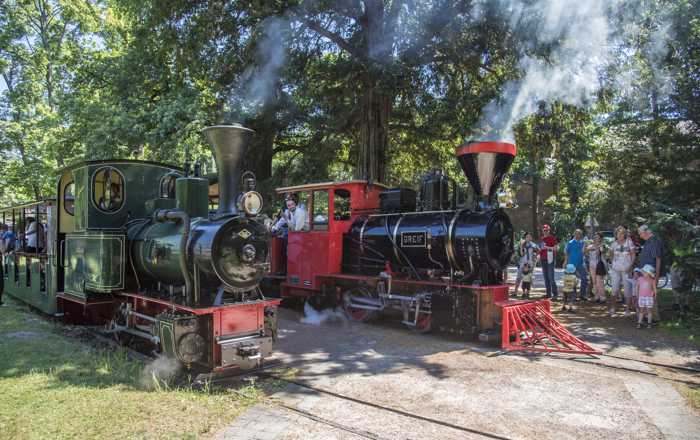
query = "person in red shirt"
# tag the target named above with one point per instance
(547, 258)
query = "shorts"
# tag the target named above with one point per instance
(646, 302)
(526, 285)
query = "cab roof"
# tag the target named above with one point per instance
(116, 161)
(325, 185)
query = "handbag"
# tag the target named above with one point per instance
(600, 268)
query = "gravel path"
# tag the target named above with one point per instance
(514, 396)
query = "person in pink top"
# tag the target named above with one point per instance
(646, 294)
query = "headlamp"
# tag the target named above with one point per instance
(251, 203)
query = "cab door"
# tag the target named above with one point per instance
(308, 252)
(64, 220)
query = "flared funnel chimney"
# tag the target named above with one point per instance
(229, 144)
(485, 164)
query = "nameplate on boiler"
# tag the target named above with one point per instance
(413, 239)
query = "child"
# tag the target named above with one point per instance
(631, 291)
(646, 292)
(569, 288)
(526, 280)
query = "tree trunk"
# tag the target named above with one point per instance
(261, 162)
(374, 135)
(379, 25)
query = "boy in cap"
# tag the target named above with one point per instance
(569, 288)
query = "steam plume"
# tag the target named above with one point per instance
(160, 371)
(258, 81)
(583, 35)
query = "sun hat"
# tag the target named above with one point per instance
(648, 269)
(570, 268)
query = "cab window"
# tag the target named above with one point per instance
(108, 189)
(341, 204)
(69, 198)
(320, 212)
(167, 186)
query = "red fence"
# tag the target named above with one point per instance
(530, 326)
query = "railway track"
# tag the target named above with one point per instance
(688, 372)
(264, 374)
(350, 429)
(678, 369)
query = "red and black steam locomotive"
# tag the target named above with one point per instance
(371, 249)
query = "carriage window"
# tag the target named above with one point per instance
(341, 204)
(108, 189)
(69, 198)
(320, 210)
(167, 186)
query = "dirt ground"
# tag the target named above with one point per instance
(464, 390)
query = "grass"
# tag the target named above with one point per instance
(687, 326)
(52, 386)
(694, 397)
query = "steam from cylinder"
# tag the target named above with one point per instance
(229, 144)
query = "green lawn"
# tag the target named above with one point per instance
(56, 387)
(687, 326)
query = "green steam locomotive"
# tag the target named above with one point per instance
(137, 247)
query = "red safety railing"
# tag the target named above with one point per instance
(530, 326)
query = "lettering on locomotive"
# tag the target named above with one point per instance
(413, 239)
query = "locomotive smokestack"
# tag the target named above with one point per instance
(229, 144)
(485, 164)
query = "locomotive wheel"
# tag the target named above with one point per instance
(355, 314)
(424, 324)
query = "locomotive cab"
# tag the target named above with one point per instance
(317, 249)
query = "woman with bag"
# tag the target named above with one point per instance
(622, 254)
(597, 267)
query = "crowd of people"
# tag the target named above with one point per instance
(632, 270)
(32, 240)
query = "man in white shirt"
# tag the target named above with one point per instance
(294, 216)
(34, 235)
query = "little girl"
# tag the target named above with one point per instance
(646, 292)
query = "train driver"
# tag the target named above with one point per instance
(34, 235)
(294, 217)
(112, 199)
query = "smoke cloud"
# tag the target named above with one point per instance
(257, 85)
(315, 317)
(584, 36)
(161, 370)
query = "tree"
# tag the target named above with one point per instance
(41, 43)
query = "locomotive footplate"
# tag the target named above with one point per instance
(245, 352)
